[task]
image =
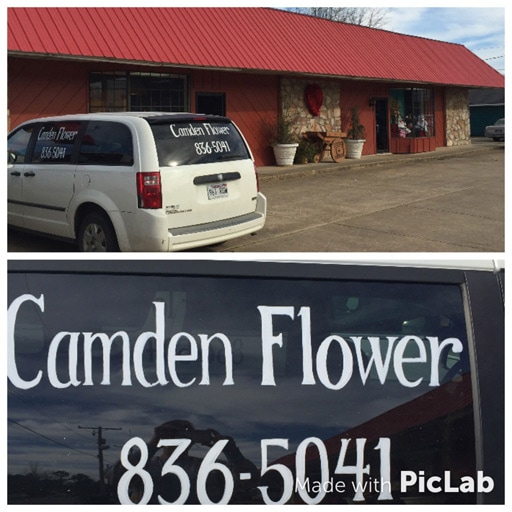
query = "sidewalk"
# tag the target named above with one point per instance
(269, 173)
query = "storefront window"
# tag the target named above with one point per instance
(157, 92)
(412, 113)
(107, 92)
(120, 91)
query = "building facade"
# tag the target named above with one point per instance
(250, 64)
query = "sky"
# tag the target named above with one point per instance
(481, 30)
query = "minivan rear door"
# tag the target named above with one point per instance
(207, 171)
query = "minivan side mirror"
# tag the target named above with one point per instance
(11, 157)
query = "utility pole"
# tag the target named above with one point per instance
(101, 446)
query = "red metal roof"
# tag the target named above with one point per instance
(249, 39)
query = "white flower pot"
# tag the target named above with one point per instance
(354, 147)
(285, 153)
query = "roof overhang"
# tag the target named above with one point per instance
(184, 66)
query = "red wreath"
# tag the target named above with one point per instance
(314, 97)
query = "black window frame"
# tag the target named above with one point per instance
(125, 93)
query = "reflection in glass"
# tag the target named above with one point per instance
(308, 363)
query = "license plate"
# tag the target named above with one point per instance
(217, 190)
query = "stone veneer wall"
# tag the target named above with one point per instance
(294, 106)
(458, 129)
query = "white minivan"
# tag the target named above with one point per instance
(134, 181)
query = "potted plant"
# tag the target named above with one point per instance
(284, 141)
(355, 135)
(306, 152)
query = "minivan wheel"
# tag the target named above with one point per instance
(96, 234)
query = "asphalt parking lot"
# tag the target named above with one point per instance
(450, 200)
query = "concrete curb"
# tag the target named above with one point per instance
(271, 173)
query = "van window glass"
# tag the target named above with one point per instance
(55, 141)
(106, 143)
(17, 144)
(197, 142)
(305, 391)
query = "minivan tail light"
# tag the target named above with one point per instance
(149, 190)
(257, 178)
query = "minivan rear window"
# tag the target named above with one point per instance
(197, 142)
(186, 389)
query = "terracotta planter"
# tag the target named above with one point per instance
(354, 147)
(285, 153)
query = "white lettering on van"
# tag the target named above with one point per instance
(410, 360)
(12, 313)
(213, 129)
(62, 134)
(65, 346)
(187, 131)
(383, 356)
(66, 135)
(43, 134)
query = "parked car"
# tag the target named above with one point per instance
(328, 383)
(496, 131)
(133, 181)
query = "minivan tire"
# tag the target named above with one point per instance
(96, 234)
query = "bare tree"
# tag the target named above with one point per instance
(368, 16)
